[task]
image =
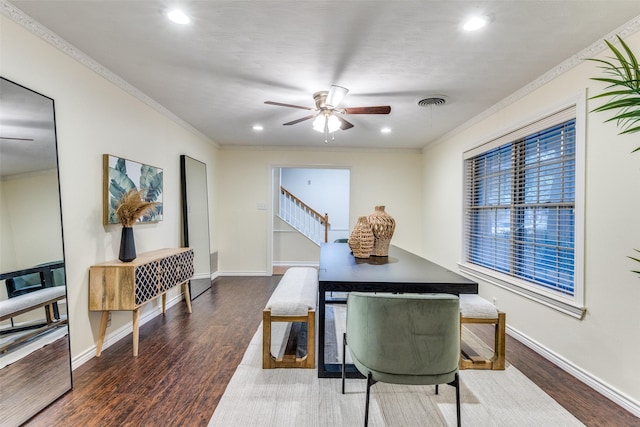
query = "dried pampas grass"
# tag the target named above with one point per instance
(132, 206)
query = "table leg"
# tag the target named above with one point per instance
(136, 330)
(321, 333)
(164, 303)
(103, 329)
(187, 295)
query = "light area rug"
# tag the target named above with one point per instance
(297, 397)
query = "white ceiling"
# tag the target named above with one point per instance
(27, 131)
(216, 72)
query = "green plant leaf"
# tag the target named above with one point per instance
(623, 102)
(615, 93)
(629, 115)
(633, 60)
(634, 258)
(615, 82)
(623, 61)
(623, 78)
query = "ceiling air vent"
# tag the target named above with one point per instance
(432, 100)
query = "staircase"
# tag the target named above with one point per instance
(303, 218)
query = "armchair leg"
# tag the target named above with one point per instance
(344, 356)
(370, 382)
(456, 383)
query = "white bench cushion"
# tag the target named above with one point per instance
(473, 306)
(296, 294)
(33, 299)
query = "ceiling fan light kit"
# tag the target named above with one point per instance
(327, 117)
(178, 16)
(326, 122)
(335, 96)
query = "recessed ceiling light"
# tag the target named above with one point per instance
(385, 130)
(257, 127)
(178, 17)
(475, 23)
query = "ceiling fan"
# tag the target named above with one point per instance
(327, 116)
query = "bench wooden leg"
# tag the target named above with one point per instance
(311, 341)
(500, 343)
(468, 360)
(269, 361)
(48, 313)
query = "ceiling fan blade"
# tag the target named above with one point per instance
(344, 125)
(299, 120)
(288, 105)
(16, 139)
(380, 109)
(336, 95)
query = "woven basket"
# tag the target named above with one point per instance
(361, 238)
(383, 225)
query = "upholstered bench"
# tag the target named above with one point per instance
(475, 309)
(294, 300)
(45, 297)
(41, 298)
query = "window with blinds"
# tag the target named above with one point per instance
(520, 195)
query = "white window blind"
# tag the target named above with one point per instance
(520, 192)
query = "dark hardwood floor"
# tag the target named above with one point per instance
(186, 361)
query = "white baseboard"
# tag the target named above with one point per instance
(296, 264)
(120, 333)
(595, 383)
(244, 273)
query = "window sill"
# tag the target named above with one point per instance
(556, 302)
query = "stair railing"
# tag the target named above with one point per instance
(302, 217)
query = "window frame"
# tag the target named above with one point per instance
(572, 305)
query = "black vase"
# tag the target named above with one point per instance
(127, 245)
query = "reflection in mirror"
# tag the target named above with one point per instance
(35, 362)
(195, 221)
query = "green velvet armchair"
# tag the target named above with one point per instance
(404, 339)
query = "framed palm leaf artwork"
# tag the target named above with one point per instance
(122, 175)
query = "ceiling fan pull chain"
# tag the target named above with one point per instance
(326, 130)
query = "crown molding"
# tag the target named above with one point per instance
(21, 18)
(321, 149)
(623, 31)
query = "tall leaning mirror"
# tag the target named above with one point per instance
(195, 221)
(35, 362)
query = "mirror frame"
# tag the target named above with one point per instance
(190, 195)
(33, 396)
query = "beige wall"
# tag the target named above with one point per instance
(393, 179)
(291, 247)
(29, 209)
(604, 345)
(94, 117)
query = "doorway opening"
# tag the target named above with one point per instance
(324, 190)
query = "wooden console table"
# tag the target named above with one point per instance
(116, 285)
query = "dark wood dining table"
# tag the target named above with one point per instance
(400, 271)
